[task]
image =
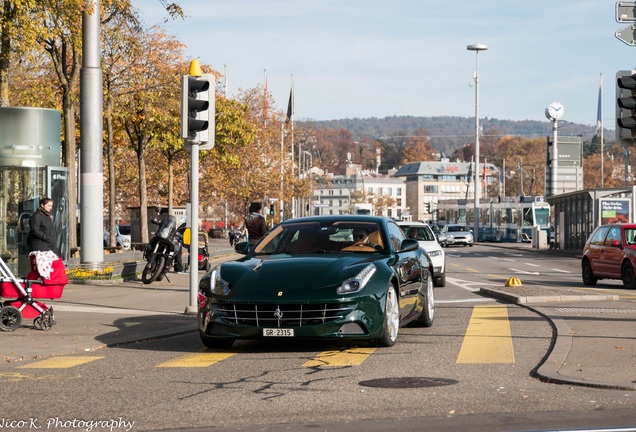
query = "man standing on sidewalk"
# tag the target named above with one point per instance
(255, 223)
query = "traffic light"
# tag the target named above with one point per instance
(198, 107)
(271, 209)
(626, 107)
(428, 207)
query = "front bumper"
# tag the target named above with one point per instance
(357, 320)
(459, 241)
(438, 265)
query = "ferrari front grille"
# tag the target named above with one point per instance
(284, 315)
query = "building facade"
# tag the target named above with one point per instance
(338, 194)
(431, 181)
(412, 192)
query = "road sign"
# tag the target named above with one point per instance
(625, 11)
(627, 34)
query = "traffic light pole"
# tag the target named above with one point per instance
(197, 130)
(194, 227)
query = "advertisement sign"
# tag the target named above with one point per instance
(57, 182)
(614, 210)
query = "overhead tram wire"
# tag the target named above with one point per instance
(465, 136)
(565, 123)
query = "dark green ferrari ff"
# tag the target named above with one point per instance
(329, 277)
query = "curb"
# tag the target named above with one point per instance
(562, 334)
(517, 299)
(548, 371)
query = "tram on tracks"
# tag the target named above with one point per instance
(507, 219)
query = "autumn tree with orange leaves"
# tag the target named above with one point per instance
(419, 148)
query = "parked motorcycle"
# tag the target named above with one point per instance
(162, 249)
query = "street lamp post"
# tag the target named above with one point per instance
(476, 48)
(502, 175)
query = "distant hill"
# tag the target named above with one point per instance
(448, 133)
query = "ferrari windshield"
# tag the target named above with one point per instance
(308, 237)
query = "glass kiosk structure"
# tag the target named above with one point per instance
(30, 170)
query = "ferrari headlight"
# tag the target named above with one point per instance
(358, 282)
(435, 253)
(217, 284)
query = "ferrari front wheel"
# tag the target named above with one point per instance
(391, 325)
(428, 308)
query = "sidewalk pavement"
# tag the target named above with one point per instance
(94, 316)
(594, 332)
(594, 341)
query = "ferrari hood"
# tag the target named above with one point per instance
(268, 277)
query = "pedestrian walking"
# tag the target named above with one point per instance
(255, 223)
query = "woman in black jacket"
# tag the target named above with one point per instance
(42, 233)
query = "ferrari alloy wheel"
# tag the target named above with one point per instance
(428, 313)
(391, 319)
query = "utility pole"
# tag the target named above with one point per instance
(91, 133)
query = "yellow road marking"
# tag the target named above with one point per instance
(347, 357)
(197, 360)
(488, 338)
(60, 362)
(472, 269)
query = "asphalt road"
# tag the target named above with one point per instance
(432, 379)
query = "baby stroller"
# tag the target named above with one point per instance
(46, 280)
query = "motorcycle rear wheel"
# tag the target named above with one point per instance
(153, 269)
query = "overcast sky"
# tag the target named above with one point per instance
(371, 58)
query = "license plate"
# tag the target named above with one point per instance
(278, 332)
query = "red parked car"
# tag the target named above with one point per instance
(610, 253)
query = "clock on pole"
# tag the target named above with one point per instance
(555, 111)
